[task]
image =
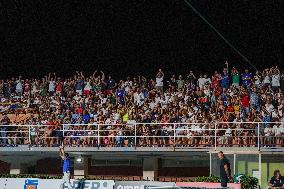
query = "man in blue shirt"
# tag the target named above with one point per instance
(66, 168)
(120, 96)
(246, 78)
(225, 80)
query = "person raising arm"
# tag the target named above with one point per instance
(66, 168)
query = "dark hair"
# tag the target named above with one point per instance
(221, 152)
(276, 171)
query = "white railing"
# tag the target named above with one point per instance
(177, 135)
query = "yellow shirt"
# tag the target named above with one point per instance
(237, 108)
(125, 117)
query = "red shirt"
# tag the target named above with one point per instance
(59, 87)
(79, 110)
(230, 108)
(245, 101)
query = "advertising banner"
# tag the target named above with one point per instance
(140, 184)
(206, 185)
(33, 183)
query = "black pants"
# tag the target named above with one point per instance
(224, 182)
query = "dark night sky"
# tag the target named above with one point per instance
(136, 36)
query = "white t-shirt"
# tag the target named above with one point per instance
(268, 131)
(201, 82)
(257, 80)
(51, 86)
(275, 80)
(88, 86)
(159, 81)
(207, 81)
(275, 114)
(152, 105)
(269, 107)
(131, 122)
(19, 85)
(266, 79)
(228, 132)
(138, 98)
(277, 130)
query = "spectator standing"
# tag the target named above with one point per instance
(246, 78)
(160, 81)
(257, 79)
(51, 84)
(225, 79)
(180, 82)
(266, 77)
(255, 100)
(235, 77)
(79, 84)
(19, 86)
(111, 84)
(275, 79)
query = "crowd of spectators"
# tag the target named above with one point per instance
(193, 106)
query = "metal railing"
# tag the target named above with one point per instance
(176, 135)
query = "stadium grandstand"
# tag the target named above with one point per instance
(140, 94)
(145, 121)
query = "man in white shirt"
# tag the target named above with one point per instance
(19, 86)
(160, 80)
(51, 87)
(278, 133)
(138, 98)
(268, 106)
(269, 134)
(201, 81)
(275, 79)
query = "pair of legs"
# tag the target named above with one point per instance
(224, 182)
(66, 179)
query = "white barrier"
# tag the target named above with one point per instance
(33, 183)
(141, 184)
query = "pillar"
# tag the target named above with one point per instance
(150, 168)
(80, 167)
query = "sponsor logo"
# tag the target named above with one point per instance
(130, 187)
(89, 184)
(31, 184)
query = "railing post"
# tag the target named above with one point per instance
(63, 130)
(259, 168)
(210, 163)
(215, 133)
(135, 133)
(30, 135)
(235, 158)
(258, 137)
(63, 134)
(174, 135)
(98, 135)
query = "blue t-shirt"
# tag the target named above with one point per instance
(79, 85)
(246, 78)
(145, 93)
(225, 80)
(121, 94)
(86, 118)
(66, 165)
